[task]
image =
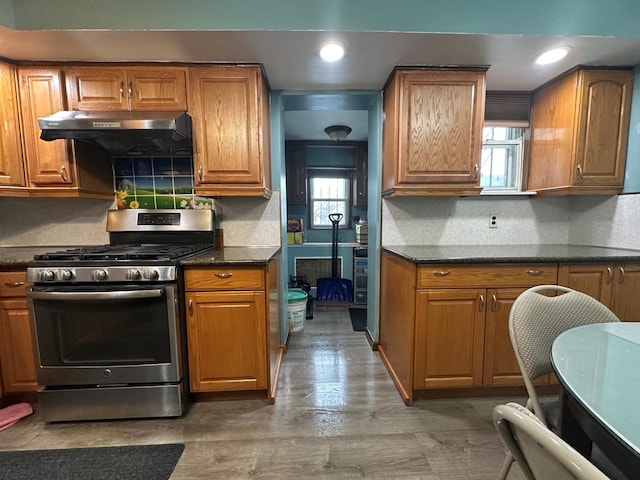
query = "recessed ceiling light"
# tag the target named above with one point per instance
(553, 55)
(332, 52)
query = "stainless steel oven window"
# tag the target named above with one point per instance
(106, 335)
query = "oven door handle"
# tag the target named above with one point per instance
(115, 295)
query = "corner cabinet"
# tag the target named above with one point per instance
(432, 138)
(230, 110)
(446, 326)
(126, 88)
(57, 168)
(579, 132)
(17, 353)
(11, 166)
(232, 314)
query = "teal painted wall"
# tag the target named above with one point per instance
(632, 174)
(544, 17)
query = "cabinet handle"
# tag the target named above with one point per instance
(200, 173)
(224, 275)
(122, 89)
(475, 171)
(442, 273)
(63, 174)
(191, 307)
(130, 90)
(13, 284)
(482, 303)
(622, 274)
(609, 274)
(494, 303)
(535, 273)
(579, 168)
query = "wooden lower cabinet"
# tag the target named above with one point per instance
(446, 326)
(232, 324)
(615, 285)
(17, 353)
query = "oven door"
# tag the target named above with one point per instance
(106, 335)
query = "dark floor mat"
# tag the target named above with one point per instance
(140, 462)
(358, 319)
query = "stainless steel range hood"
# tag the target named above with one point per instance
(123, 133)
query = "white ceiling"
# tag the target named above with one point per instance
(291, 62)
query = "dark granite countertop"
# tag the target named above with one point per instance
(20, 256)
(232, 256)
(511, 253)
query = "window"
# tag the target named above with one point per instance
(329, 192)
(502, 154)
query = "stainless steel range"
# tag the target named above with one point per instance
(109, 320)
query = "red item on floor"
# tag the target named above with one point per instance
(11, 414)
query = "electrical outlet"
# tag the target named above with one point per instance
(493, 221)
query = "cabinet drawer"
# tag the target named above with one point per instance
(13, 284)
(470, 276)
(220, 278)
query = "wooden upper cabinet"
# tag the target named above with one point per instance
(433, 131)
(11, 165)
(580, 126)
(48, 163)
(361, 190)
(296, 174)
(127, 88)
(230, 110)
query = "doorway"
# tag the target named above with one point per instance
(302, 118)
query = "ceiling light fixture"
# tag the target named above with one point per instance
(337, 132)
(553, 55)
(332, 52)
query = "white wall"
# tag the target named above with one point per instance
(465, 221)
(51, 221)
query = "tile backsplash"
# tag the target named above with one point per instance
(156, 182)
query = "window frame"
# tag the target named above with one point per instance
(345, 173)
(519, 166)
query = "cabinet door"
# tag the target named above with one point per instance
(605, 100)
(231, 128)
(625, 297)
(17, 352)
(48, 163)
(157, 89)
(449, 338)
(361, 196)
(440, 128)
(296, 175)
(227, 341)
(500, 363)
(11, 170)
(594, 279)
(97, 88)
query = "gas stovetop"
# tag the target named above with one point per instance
(145, 246)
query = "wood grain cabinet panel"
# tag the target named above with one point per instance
(11, 163)
(579, 133)
(233, 328)
(130, 88)
(59, 168)
(616, 285)
(446, 326)
(17, 352)
(296, 174)
(230, 110)
(432, 136)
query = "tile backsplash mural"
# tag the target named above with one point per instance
(156, 182)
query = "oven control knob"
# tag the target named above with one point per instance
(151, 274)
(99, 275)
(48, 275)
(133, 274)
(66, 274)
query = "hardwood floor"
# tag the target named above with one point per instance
(337, 416)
